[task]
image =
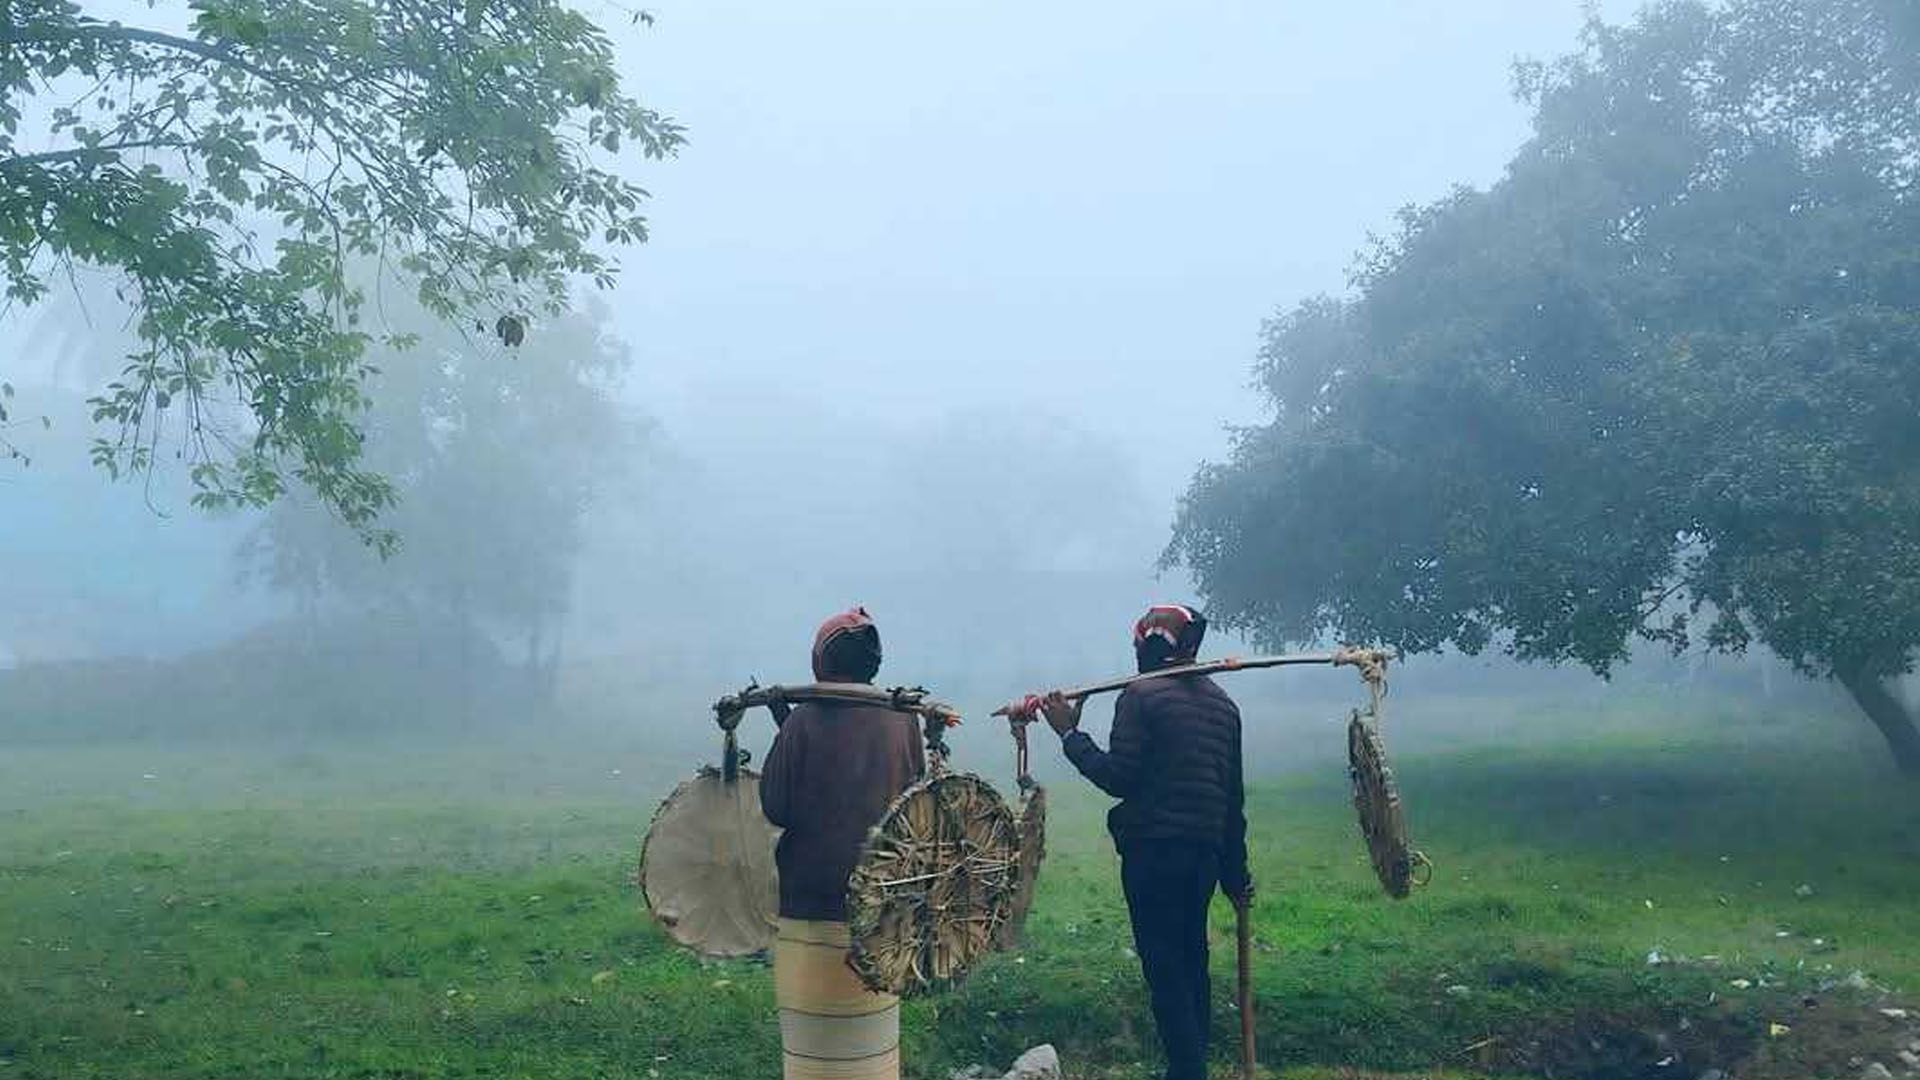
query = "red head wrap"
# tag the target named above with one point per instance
(847, 622)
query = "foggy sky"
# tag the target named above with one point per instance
(1085, 207)
(1068, 214)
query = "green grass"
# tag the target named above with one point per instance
(411, 911)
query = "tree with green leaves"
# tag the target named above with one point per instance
(496, 453)
(1661, 380)
(230, 172)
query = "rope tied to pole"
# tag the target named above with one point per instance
(1021, 774)
(936, 735)
(731, 757)
(1372, 664)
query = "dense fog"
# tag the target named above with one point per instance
(939, 316)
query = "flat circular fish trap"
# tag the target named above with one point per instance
(1031, 821)
(935, 884)
(1383, 821)
(706, 866)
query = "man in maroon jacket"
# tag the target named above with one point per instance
(833, 770)
(1181, 827)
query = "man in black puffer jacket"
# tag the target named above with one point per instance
(1181, 824)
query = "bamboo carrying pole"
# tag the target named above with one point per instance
(1024, 711)
(914, 701)
(899, 699)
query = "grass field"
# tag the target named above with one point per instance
(466, 911)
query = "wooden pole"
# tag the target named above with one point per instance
(1243, 918)
(905, 699)
(1361, 658)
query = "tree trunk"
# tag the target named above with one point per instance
(307, 606)
(531, 670)
(1877, 700)
(551, 686)
(463, 626)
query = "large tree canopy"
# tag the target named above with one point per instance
(496, 454)
(231, 171)
(1661, 380)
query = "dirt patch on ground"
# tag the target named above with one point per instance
(1840, 1039)
(1643, 1045)
(1839, 1036)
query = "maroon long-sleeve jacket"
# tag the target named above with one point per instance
(831, 774)
(829, 777)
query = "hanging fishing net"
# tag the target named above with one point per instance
(935, 883)
(706, 866)
(1031, 822)
(1383, 821)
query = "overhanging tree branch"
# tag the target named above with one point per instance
(219, 54)
(107, 152)
(406, 108)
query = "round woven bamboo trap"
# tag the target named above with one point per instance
(935, 883)
(1032, 824)
(706, 866)
(1383, 821)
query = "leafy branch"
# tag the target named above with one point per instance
(295, 137)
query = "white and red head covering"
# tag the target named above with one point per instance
(1166, 634)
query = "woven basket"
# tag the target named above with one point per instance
(1383, 821)
(935, 884)
(1031, 820)
(707, 873)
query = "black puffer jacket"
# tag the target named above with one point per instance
(1175, 765)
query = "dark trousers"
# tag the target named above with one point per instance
(1168, 886)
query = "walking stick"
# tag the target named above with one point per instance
(1243, 917)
